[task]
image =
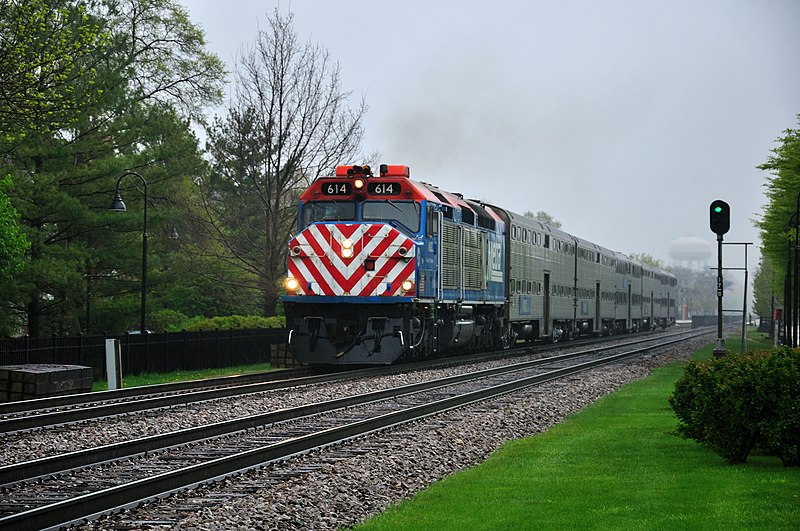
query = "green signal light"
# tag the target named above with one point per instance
(720, 217)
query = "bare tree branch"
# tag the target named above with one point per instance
(289, 121)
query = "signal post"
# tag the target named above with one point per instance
(720, 221)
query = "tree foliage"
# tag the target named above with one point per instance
(12, 243)
(95, 88)
(49, 52)
(763, 294)
(151, 75)
(650, 260)
(544, 217)
(162, 57)
(12, 249)
(698, 289)
(288, 122)
(782, 190)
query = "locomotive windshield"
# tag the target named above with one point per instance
(328, 211)
(405, 213)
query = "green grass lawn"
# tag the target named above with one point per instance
(183, 376)
(615, 465)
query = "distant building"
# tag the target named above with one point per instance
(690, 252)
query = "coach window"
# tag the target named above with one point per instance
(315, 211)
(406, 213)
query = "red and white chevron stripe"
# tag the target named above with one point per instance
(315, 260)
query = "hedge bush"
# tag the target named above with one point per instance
(228, 322)
(166, 320)
(738, 402)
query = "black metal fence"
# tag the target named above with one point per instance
(150, 353)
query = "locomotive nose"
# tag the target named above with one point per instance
(352, 260)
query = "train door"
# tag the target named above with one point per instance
(431, 271)
(546, 310)
(597, 319)
(669, 303)
(461, 284)
(628, 320)
(434, 218)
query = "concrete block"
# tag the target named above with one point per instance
(21, 382)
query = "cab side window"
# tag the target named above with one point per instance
(432, 221)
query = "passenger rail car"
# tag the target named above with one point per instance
(384, 267)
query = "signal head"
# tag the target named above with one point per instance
(720, 217)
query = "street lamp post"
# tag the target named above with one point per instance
(796, 294)
(787, 301)
(792, 285)
(119, 206)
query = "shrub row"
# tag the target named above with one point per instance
(228, 322)
(741, 401)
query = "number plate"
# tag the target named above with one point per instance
(337, 189)
(384, 188)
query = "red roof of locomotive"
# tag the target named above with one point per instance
(389, 173)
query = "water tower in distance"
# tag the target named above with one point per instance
(690, 256)
(690, 252)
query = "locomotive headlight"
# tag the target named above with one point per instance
(347, 248)
(358, 183)
(407, 285)
(292, 284)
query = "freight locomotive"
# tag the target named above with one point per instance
(385, 268)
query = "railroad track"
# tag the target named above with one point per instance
(57, 411)
(200, 455)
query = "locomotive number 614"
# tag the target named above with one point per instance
(384, 188)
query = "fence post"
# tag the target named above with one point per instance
(113, 364)
(166, 346)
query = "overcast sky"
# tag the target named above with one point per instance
(623, 119)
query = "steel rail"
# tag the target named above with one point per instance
(53, 402)
(143, 404)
